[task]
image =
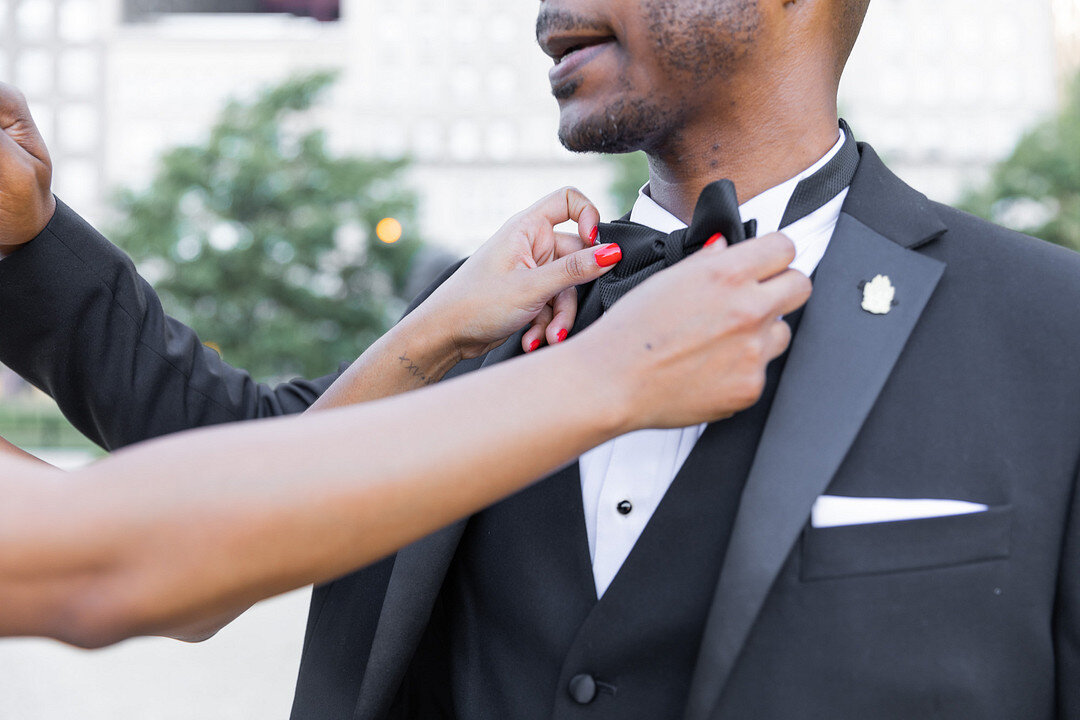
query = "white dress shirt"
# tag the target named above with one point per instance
(624, 480)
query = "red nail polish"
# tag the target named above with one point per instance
(714, 238)
(561, 335)
(533, 345)
(609, 255)
(594, 234)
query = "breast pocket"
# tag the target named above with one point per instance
(905, 545)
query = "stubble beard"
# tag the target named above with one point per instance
(694, 42)
(626, 125)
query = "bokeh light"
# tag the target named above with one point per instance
(388, 230)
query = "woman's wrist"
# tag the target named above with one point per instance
(424, 346)
(607, 390)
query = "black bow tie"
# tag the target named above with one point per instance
(647, 251)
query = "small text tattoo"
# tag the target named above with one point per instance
(415, 370)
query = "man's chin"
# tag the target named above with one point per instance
(621, 127)
(585, 139)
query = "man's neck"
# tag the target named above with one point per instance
(755, 155)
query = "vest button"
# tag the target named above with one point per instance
(582, 689)
(624, 507)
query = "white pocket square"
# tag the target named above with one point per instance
(837, 510)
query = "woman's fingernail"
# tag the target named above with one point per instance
(608, 255)
(594, 234)
(533, 345)
(561, 335)
(714, 238)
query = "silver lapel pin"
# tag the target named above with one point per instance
(878, 295)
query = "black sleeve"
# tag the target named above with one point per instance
(1067, 615)
(78, 322)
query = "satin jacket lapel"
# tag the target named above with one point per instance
(419, 571)
(418, 575)
(840, 360)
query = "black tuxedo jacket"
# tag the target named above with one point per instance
(969, 389)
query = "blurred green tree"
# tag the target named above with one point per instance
(265, 242)
(1036, 190)
(631, 171)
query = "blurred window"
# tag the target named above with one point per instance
(427, 141)
(79, 20)
(80, 182)
(465, 140)
(79, 73)
(503, 28)
(502, 83)
(466, 83)
(35, 19)
(391, 139)
(502, 141)
(78, 129)
(34, 73)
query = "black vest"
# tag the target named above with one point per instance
(523, 635)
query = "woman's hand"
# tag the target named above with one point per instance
(525, 274)
(691, 343)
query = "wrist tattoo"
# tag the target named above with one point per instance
(415, 370)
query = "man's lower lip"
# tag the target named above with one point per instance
(575, 61)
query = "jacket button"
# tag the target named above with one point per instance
(582, 689)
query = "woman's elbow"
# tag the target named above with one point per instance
(95, 618)
(116, 609)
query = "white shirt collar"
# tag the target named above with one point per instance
(767, 207)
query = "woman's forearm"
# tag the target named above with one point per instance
(148, 538)
(9, 450)
(121, 570)
(413, 354)
(193, 526)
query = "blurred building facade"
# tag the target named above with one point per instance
(1066, 20)
(942, 88)
(55, 52)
